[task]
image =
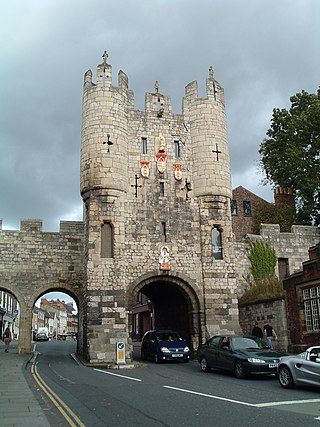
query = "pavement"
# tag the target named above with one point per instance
(20, 400)
(19, 405)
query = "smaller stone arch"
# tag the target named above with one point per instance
(23, 346)
(71, 291)
(188, 289)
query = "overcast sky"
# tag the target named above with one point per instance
(262, 51)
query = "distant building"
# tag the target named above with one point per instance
(9, 313)
(244, 205)
(66, 319)
(303, 302)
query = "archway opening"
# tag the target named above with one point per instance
(165, 303)
(9, 314)
(55, 316)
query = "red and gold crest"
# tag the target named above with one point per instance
(177, 171)
(145, 168)
(161, 159)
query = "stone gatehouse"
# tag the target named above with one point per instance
(156, 187)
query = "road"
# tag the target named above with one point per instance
(165, 395)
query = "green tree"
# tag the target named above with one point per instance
(273, 214)
(290, 155)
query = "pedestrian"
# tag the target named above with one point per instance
(7, 338)
(257, 331)
(269, 334)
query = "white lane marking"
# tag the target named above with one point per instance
(211, 396)
(74, 357)
(255, 405)
(286, 402)
(116, 375)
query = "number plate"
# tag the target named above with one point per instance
(177, 355)
(273, 365)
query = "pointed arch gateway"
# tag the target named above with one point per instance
(175, 305)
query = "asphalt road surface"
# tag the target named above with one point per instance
(168, 394)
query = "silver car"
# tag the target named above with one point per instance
(300, 369)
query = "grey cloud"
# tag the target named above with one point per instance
(262, 53)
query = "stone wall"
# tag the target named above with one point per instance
(34, 262)
(294, 247)
(273, 312)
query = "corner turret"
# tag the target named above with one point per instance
(208, 131)
(104, 139)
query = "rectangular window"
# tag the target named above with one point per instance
(234, 208)
(164, 230)
(216, 240)
(161, 188)
(107, 240)
(176, 149)
(311, 298)
(246, 208)
(144, 146)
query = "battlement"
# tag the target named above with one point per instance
(156, 102)
(214, 90)
(35, 226)
(267, 230)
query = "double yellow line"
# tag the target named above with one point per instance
(65, 411)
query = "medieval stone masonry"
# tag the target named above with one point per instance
(156, 187)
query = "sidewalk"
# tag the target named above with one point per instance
(18, 405)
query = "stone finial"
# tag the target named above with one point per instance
(211, 72)
(105, 57)
(156, 87)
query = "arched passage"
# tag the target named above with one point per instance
(27, 301)
(62, 318)
(172, 303)
(9, 313)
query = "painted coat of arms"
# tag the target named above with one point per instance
(177, 171)
(161, 157)
(145, 168)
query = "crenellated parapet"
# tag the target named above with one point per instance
(35, 226)
(292, 247)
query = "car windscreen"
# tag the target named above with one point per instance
(168, 337)
(239, 343)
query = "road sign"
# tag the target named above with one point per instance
(121, 353)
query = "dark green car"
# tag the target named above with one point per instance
(242, 355)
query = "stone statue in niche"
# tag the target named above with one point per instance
(164, 258)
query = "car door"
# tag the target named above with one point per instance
(310, 368)
(225, 356)
(146, 344)
(211, 352)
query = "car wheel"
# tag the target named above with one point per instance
(285, 377)
(239, 370)
(204, 364)
(143, 356)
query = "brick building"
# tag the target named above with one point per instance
(244, 205)
(302, 290)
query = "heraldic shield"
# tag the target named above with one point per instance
(161, 162)
(177, 171)
(145, 168)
